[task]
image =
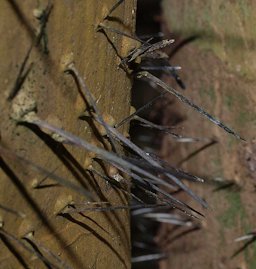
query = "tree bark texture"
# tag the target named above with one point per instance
(29, 216)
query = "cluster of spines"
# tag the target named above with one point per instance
(144, 168)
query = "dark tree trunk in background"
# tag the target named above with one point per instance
(218, 68)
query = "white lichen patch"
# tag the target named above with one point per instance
(117, 177)
(38, 13)
(24, 107)
(114, 173)
(54, 120)
(66, 60)
(132, 110)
